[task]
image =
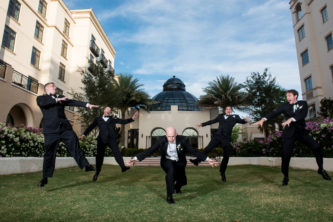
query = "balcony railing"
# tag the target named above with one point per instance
(92, 67)
(309, 94)
(25, 82)
(94, 48)
(103, 60)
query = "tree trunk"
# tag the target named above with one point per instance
(122, 129)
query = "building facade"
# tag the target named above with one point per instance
(313, 29)
(176, 107)
(43, 41)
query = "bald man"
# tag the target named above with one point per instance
(107, 137)
(173, 159)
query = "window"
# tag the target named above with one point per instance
(14, 9)
(312, 111)
(62, 69)
(39, 31)
(64, 49)
(66, 27)
(42, 7)
(35, 57)
(329, 41)
(298, 12)
(305, 57)
(308, 83)
(301, 33)
(156, 133)
(59, 91)
(8, 39)
(324, 14)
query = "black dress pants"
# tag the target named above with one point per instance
(69, 138)
(175, 174)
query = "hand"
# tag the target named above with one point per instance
(287, 122)
(199, 126)
(131, 162)
(90, 106)
(246, 118)
(61, 99)
(212, 162)
(260, 122)
(136, 114)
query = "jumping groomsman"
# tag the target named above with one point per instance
(107, 137)
(57, 128)
(222, 137)
(173, 160)
(294, 129)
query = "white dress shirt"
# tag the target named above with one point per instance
(172, 151)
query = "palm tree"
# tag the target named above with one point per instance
(223, 92)
(128, 93)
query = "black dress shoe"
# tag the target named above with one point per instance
(324, 174)
(285, 181)
(170, 200)
(43, 182)
(125, 168)
(195, 161)
(223, 178)
(90, 168)
(95, 177)
(178, 190)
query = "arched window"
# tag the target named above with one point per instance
(155, 133)
(298, 10)
(192, 135)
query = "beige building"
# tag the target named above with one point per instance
(313, 27)
(43, 41)
(176, 107)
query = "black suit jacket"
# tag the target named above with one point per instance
(225, 125)
(183, 145)
(299, 115)
(53, 112)
(106, 128)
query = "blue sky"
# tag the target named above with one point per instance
(198, 40)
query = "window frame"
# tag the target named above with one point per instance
(324, 16)
(67, 26)
(308, 58)
(62, 72)
(16, 8)
(300, 31)
(9, 33)
(307, 89)
(64, 49)
(35, 56)
(40, 29)
(329, 46)
(42, 8)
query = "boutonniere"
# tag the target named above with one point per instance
(179, 147)
(297, 107)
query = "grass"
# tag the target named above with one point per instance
(252, 193)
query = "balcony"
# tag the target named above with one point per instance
(25, 82)
(94, 48)
(92, 67)
(103, 60)
(110, 69)
(309, 94)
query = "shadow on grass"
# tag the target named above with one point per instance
(69, 186)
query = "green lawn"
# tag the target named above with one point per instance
(252, 193)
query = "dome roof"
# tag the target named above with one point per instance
(174, 93)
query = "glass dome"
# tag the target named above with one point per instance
(174, 93)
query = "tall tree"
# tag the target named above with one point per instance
(98, 88)
(223, 92)
(264, 95)
(128, 93)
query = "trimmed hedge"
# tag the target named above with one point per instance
(26, 141)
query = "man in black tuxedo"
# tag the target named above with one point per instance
(107, 137)
(173, 159)
(56, 128)
(222, 137)
(294, 129)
